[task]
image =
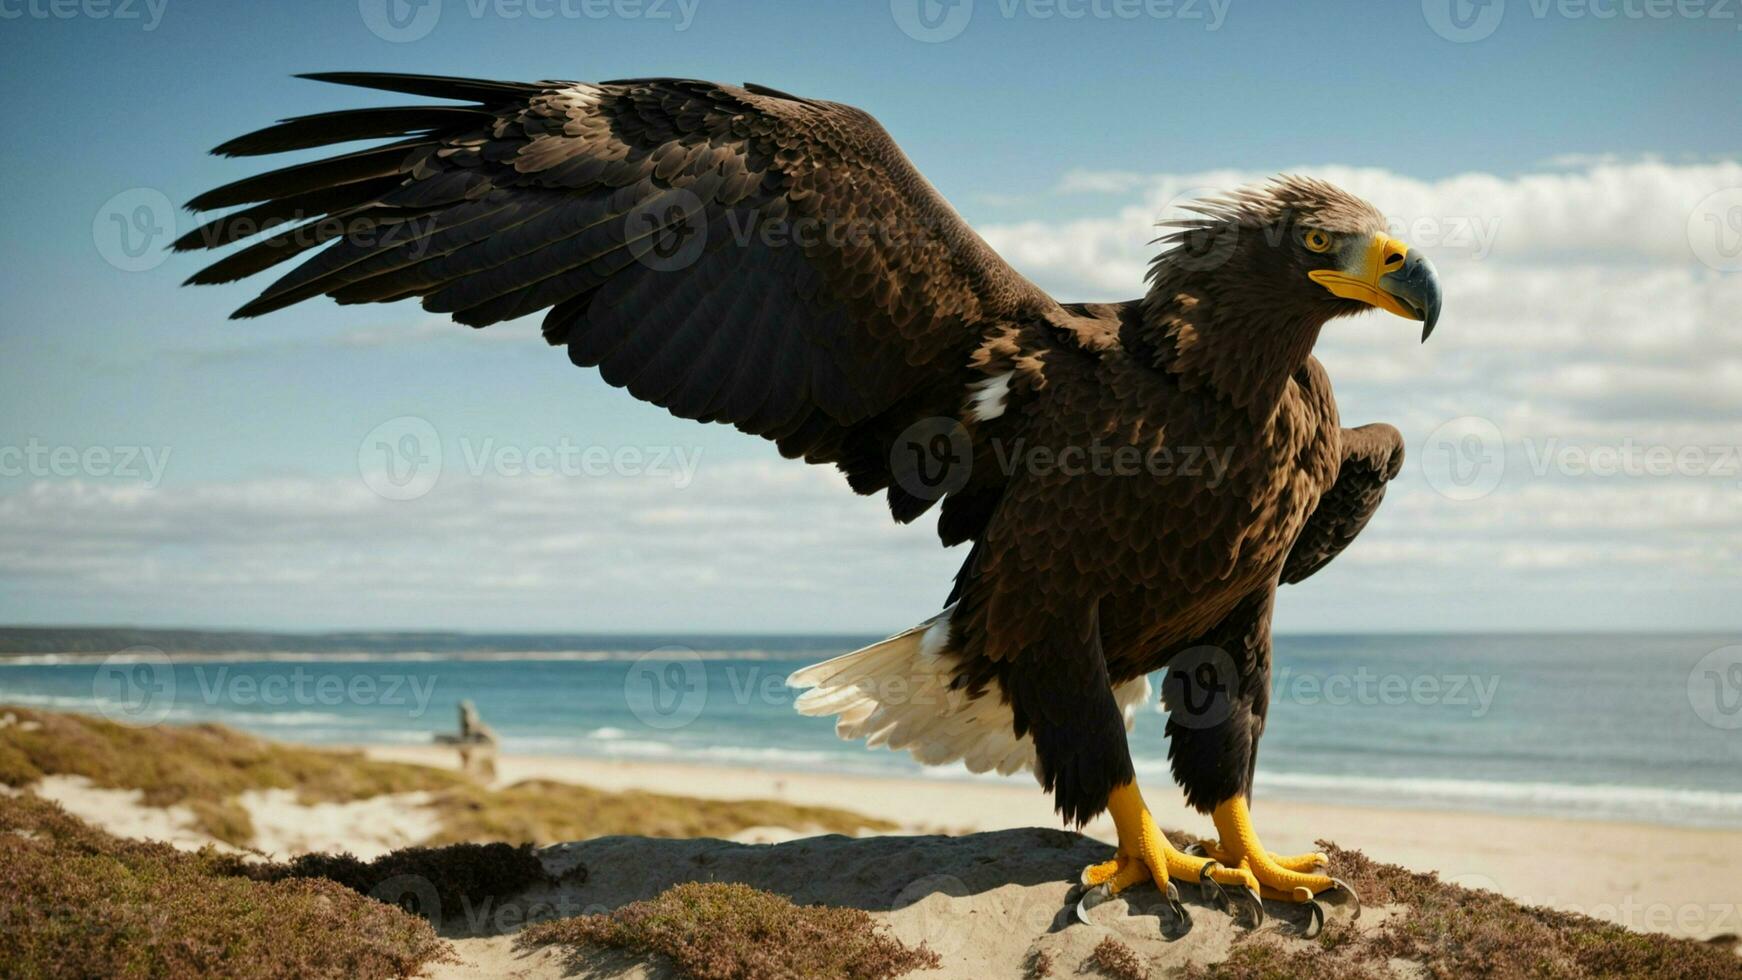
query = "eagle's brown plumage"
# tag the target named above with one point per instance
(745, 256)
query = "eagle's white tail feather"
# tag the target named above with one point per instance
(897, 694)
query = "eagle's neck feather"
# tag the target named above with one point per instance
(1216, 336)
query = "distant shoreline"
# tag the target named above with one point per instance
(132, 655)
(73, 644)
(100, 642)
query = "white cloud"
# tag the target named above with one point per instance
(1578, 321)
(743, 541)
(1632, 210)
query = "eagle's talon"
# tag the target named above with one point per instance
(1175, 920)
(1315, 920)
(1245, 906)
(1340, 895)
(1211, 889)
(1095, 896)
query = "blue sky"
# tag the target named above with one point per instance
(1568, 128)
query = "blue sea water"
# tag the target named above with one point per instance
(1640, 728)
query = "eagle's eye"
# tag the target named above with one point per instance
(1316, 240)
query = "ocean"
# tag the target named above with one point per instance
(1635, 728)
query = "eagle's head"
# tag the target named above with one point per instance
(1304, 248)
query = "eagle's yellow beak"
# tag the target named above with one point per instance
(1388, 275)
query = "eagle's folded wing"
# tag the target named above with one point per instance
(731, 254)
(1372, 455)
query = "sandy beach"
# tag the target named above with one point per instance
(1654, 878)
(967, 878)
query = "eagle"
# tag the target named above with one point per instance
(1134, 480)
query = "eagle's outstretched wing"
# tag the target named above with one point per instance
(731, 254)
(1372, 455)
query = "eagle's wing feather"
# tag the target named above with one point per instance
(1372, 456)
(731, 254)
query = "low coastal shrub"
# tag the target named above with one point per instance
(82, 903)
(718, 931)
(202, 766)
(456, 876)
(1112, 958)
(545, 812)
(205, 768)
(1438, 929)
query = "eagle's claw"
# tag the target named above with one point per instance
(1210, 888)
(1091, 898)
(1341, 895)
(1315, 920)
(1175, 920)
(1244, 905)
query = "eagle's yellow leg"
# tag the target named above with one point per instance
(1144, 852)
(1298, 878)
(1313, 862)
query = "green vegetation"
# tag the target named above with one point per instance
(82, 903)
(205, 766)
(546, 813)
(714, 931)
(202, 766)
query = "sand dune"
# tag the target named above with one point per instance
(1650, 878)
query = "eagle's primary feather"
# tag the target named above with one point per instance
(1136, 478)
